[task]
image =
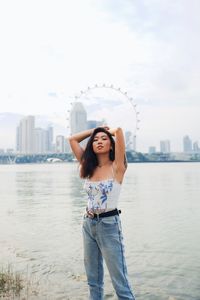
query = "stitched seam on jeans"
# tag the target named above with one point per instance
(99, 270)
(123, 261)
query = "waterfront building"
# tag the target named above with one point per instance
(134, 142)
(67, 148)
(165, 146)
(196, 147)
(31, 140)
(78, 118)
(18, 139)
(152, 150)
(9, 151)
(49, 139)
(128, 142)
(60, 144)
(25, 135)
(187, 144)
(40, 141)
(93, 124)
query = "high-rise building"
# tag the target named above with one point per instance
(25, 135)
(78, 118)
(40, 140)
(196, 147)
(165, 146)
(128, 136)
(30, 140)
(60, 144)
(152, 149)
(9, 150)
(134, 142)
(17, 139)
(187, 144)
(93, 124)
(67, 147)
(50, 139)
(130, 141)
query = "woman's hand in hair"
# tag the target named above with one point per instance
(106, 127)
(113, 131)
(75, 141)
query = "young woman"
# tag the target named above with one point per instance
(103, 164)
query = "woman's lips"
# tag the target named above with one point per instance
(99, 147)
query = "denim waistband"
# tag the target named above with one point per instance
(110, 213)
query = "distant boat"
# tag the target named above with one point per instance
(54, 160)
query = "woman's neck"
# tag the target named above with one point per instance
(100, 165)
(103, 161)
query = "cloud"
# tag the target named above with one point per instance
(168, 34)
(52, 50)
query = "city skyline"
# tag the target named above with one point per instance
(46, 142)
(150, 49)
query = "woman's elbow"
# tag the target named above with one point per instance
(119, 129)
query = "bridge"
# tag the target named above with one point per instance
(132, 156)
(53, 157)
(34, 158)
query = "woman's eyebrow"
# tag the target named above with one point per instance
(103, 135)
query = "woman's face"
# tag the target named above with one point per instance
(101, 143)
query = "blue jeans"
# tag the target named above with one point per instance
(103, 240)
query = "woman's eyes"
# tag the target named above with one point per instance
(103, 138)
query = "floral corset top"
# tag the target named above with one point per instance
(102, 195)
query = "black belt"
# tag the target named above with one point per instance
(110, 213)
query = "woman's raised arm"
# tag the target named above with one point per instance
(75, 140)
(120, 154)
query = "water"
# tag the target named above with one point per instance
(41, 210)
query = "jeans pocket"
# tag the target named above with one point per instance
(113, 220)
(111, 226)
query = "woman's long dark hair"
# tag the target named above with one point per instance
(89, 160)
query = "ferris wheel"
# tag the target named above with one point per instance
(87, 95)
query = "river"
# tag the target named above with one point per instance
(41, 210)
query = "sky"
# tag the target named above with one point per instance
(51, 50)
